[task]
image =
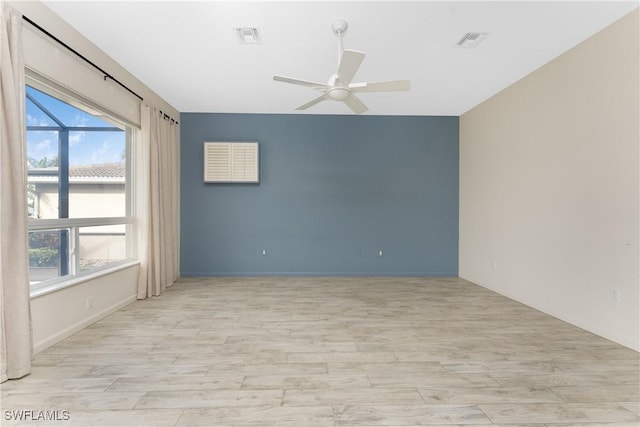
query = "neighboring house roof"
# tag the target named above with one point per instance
(104, 170)
(100, 173)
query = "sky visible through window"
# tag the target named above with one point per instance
(85, 147)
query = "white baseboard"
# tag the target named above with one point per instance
(48, 342)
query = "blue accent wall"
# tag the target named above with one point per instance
(333, 192)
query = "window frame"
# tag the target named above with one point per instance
(131, 130)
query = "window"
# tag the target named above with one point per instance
(78, 187)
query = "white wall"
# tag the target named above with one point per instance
(61, 313)
(550, 188)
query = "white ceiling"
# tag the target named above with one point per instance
(189, 54)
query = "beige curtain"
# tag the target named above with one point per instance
(158, 203)
(15, 311)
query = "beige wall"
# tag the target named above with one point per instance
(550, 188)
(85, 200)
(90, 201)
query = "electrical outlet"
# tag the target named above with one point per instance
(380, 253)
(89, 303)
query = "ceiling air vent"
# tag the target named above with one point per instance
(248, 35)
(471, 39)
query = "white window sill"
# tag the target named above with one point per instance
(73, 281)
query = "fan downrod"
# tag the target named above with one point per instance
(339, 26)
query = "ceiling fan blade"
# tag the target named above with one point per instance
(349, 64)
(387, 86)
(300, 82)
(355, 104)
(313, 102)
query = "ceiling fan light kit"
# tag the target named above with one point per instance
(340, 86)
(338, 93)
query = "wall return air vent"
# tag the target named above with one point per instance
(231, 162)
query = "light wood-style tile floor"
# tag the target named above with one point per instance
(331, 352)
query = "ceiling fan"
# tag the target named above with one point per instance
(339, 87)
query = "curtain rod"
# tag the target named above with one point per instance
(88, 61)
(168, 117)
(81, 56)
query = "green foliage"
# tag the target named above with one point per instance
(43, 248)
(31, 201)
(42, 163)
(44, 239)
(32, 196)
(43, 257)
